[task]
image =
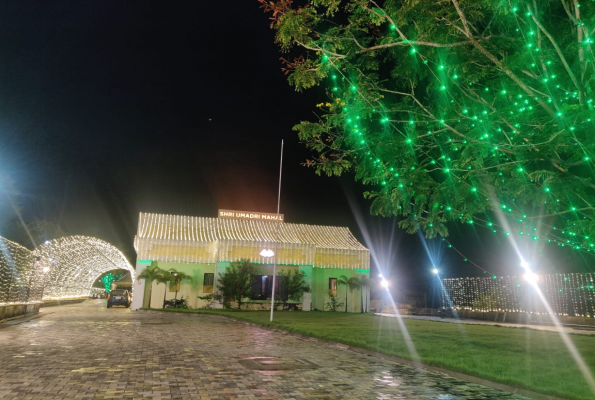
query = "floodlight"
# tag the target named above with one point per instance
(531, 277)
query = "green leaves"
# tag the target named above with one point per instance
(236, 283)
(296, 27)
(428, 100)
(307, 75)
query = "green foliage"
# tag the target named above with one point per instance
(236, 283)
(177, 276)
(293, 285)
(108, 279)
(349, 283)
(333, 304)
(453, 110)
(208, 298)
(364, 285)
(153, 273)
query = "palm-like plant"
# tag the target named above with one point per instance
(178, 277)
(364, 283)
(164, 277)
(349, 283)
(150, 274)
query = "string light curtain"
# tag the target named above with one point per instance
(177, 238)
(567, 294)
(21, 274)
(75, 262)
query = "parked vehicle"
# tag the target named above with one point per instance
(175, 303)
(118, 297)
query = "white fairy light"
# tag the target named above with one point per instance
(298, 244)
(567, 294)
(76, 262)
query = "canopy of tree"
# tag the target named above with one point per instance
(236, 283)
(453, 110)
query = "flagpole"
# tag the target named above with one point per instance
(277, 236)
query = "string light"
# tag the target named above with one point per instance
(60, 268)
(568, 294)
(75, 262)
(483, 131)
(21, 274)
(175, 238)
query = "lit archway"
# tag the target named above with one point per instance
(75, 262)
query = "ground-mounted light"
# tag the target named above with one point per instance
(435, 271)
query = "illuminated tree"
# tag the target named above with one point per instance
(457, 110)
(108, 279)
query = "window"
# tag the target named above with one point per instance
(332, 286)
(208, 282)
(262, 287)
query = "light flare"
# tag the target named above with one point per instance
(531, 278)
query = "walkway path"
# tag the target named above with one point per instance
(579, 330)
(86, 351)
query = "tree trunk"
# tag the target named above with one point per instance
(345, 298)
(164, 294)
(150, 292)
(176, 296)
(361, 292)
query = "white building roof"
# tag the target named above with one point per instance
(217, 234)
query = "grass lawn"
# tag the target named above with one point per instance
(525, 358)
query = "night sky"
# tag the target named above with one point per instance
(111, 108)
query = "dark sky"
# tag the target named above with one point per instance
(110, 108)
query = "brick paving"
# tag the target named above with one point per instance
(86, 351)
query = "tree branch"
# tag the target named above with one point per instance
(557, 48)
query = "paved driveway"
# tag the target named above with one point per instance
(86, 351)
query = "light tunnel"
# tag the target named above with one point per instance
(73, 263)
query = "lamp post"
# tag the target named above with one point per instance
(268, 253)
(276, 236)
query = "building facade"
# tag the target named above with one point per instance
(205, 247)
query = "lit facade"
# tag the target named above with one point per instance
(204, 248)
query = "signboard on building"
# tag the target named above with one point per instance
(250, 215)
